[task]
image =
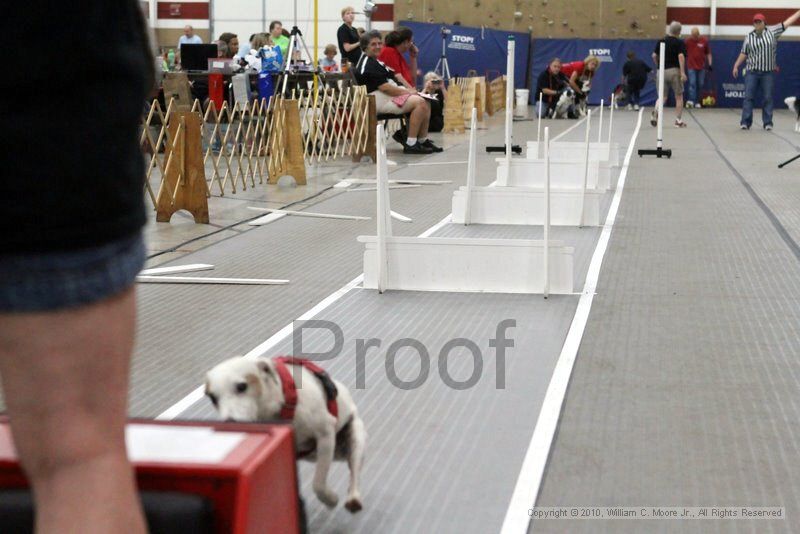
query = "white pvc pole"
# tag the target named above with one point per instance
(471, 162)
(585, 166)
(660, 140)
(546, 290)
(611, 119)
(384, 218)
(539, 128)
(509, 98)
(600, 129)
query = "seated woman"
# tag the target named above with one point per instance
(392, 99)
(550, 84)
(435, 87)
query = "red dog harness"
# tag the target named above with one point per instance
(290, 390)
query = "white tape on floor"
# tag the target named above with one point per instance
(517, 520)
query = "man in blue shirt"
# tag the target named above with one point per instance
(189, 37)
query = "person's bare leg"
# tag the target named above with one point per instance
(679, 106)
(426, 119)
(65, 379)
(420, 114)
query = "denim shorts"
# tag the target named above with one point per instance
(35, 282)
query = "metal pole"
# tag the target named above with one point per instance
(473, 136)
(600, 129)
(546, 212)
(585, 166)
(611, 119)
(383, 214)
(509, 99)
(316, 44)
(660, 140)
(539, 128)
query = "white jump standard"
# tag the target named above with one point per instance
(659, 151)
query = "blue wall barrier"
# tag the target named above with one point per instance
(470, 49)
(612, 54)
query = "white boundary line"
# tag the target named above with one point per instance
(568, 130)
(186, 402)
(530, 477)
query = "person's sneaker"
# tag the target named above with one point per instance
(698, 105)
(416, 148)
(768, 127)
(636, 107)
(429, 144)
(689, 104)
(399, 137)
(679, 123)
(744, 127)
(629, 107)
(654, 118)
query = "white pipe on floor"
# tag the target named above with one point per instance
(660, 140)
(600, 129)
(546, 289)
(585, 165)
(509, 98)
(471, 166)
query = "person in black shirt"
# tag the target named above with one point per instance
(348, 37)
(391, 98)
(674, 71)
(634, 76)
(549, 84)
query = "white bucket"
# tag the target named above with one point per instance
(521, 103)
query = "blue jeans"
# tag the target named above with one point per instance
(696, 79)
(752, 81)
(34, 282)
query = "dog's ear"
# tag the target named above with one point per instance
(266, 368)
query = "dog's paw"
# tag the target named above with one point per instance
(353, 505)
(327, 497)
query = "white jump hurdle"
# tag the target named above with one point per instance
(566, 174)
(523, 205)
(459, 265)
(571, 150)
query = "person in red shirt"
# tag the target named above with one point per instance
(397, 42)
(582, 71)
(698, 51)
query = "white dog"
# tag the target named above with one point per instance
(793, 103)
(326, 423)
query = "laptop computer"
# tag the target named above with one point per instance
(196, 56)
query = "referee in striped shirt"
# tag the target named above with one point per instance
(759, 49)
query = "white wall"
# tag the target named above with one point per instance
(245, 17)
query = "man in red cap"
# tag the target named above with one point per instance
(760, 49)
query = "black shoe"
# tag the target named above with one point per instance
(429, 144)
(416, 148)
(399, 136)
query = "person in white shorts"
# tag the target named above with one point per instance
(391, 98)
